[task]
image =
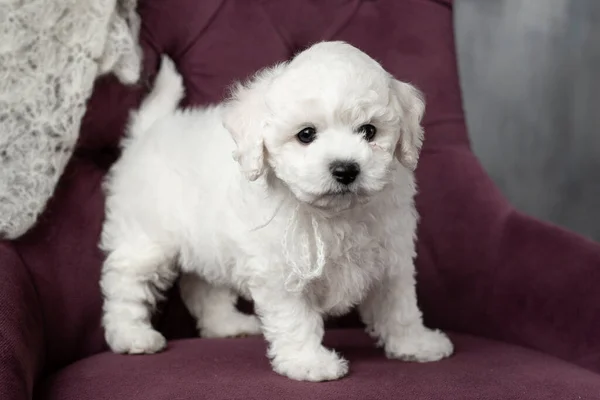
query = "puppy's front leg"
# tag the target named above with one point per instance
(294, 330)
(391, 314)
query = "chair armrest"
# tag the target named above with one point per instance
(21, 335)
(545, 291)
(489, 270)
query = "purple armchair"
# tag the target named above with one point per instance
(520, 298)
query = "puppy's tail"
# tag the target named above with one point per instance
(162, 101)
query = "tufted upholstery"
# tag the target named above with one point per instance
(484, 269)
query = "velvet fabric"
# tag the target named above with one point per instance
(237, 370)
(520, 295)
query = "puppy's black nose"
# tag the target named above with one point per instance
(344, 172)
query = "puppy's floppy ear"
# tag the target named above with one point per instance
(411, 105)
(245, 117)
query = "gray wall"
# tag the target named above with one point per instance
(530, 72)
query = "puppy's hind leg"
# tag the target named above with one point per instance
(132, 281)
(214, 309)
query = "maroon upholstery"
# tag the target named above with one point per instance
(237, 370)
(484, 269)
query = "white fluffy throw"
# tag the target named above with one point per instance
(51, 51)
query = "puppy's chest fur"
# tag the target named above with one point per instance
(356, 258)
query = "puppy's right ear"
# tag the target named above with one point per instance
(246, 118)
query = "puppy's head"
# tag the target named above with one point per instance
(329, 124)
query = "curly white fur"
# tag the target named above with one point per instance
(277, 228)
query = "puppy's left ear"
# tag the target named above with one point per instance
(411, 105)
(245, 117)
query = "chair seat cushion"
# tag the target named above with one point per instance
(238, 369)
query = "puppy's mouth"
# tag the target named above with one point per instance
(335, 198)
(339, 192)
(339, 199)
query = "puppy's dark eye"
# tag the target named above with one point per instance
(368, 131)
(307, 135)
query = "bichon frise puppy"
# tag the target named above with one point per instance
(313, 215)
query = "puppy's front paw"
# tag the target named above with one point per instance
(424, 345)
(320, 365)
(136, 340)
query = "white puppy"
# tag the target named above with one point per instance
(315, 217)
